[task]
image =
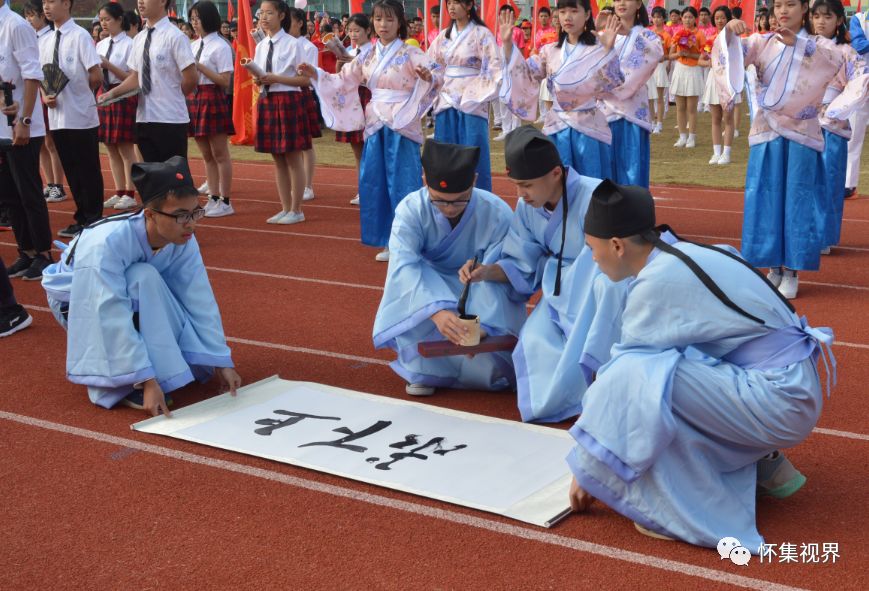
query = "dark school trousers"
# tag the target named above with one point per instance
(79, 151)
(160, 141)
(21, 194)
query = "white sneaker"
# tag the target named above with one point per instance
(355, 200)
(291, 217)
(657, 129)
(419, 390)
(774, 276)
(382, 256)
(203, 188)
(690, 143)
(500, 137)
(276, 219)
(126, 202)
(715, 158)
(430, 136)
(725, 159)
(110, 202)
(209, 203)
(825, 250)
(220, 209)
(789, 285)
(308, 195)
(681, 142)
(55, 195)
(735, 133)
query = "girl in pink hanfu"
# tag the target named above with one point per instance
(580, 67)
(828, 21)
(627, 106)
(786, 201)
(403, 83)
(467, 53)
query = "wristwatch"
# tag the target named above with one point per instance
(26, 121)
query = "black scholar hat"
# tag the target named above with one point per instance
(449, 168)
(619, 211)
(529, 154)
(154, 179)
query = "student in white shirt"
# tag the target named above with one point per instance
(210, 113)
(311, 56)
(72, 114)
(164, 75)
(52, 170)
(118, 120)
(20, 185)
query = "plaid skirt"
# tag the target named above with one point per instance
(282, 123)
(209, 112)
(355, 137)
(313, 114)
(118, 121)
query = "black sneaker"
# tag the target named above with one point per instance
(850, 192)
(5, 224)
(21, 264)
(70, 231)
(14, 319)
(34, 273)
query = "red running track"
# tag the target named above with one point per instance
(89, 503)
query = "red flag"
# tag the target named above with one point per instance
(243, 87)
(489, 14)
(660, 3)
(356, 6)
(230, 13)
(537, 5)
(419, 13)
(696, 4)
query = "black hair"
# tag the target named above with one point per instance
(133, 20)
(325, 28)
(472, 16)
(737, 12)
(661, 11)
(642, 16)
(116, 11)
(294, 14)
(704, 9)
(361, 20)
(544, 10)
(343, 16)
(727, 14)
(587, 37)
(281, 8)
(395, 8)
(676, 10)
(174, 20)
(209, 18)
(35, 6)
(507, 7)
(690, 10)
(835, 8)
(435, 10)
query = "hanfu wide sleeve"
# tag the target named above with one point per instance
(585, 78)
(520, 88)
(339, 95)
(638, 63)
(855, 90)
(523, 257)
(730, 56)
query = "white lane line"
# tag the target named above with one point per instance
(374, 361)
(413, 508)
(295, 278)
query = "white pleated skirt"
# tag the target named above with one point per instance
(686, 81)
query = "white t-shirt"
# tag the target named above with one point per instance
(216, 55)
(76, 107)
(286, 58)
(121, 49)
(19, 60)
(170, 54)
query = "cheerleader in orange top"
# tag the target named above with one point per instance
(660, 80)
(687, 82)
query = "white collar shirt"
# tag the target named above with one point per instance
(170, 54)
(216, 55)
(76, 107)
(286, 58)
(43, 31)
(19, 61)
(121, 49)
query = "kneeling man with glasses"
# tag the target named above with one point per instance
(436, 231)
(132, 292)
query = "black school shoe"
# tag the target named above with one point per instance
(34, 272)
(70, 231)
(21, 264)
(13, 319)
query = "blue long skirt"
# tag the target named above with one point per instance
(631, 153)
(389, 171)
(786, 206)
(586, 155)
(454, 127)
(835, 165)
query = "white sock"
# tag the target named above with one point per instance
(691, 137)
(716, 149)
(726, 151)
(683, 137)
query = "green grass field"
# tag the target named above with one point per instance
(675, 166)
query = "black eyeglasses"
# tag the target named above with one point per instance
(456, 202)
(184, 217)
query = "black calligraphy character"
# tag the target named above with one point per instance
(351, 436)
(273, 424)
(411, 440)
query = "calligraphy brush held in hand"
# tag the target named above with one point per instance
(463, 300)
(8, 87)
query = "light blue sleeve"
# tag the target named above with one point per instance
(523, 257)
(858, 37)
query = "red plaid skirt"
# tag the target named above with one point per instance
(209, 112)
(313, 115)
(118, 121)
(282, 123)
(355, 137)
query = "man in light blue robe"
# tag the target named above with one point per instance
(569, 334)
(437, 230)
(133, 294)
(714, 373)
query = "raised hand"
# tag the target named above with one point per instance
(737, 27)
(307, 70)
(607, 35)
(506, 24)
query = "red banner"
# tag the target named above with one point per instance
(230, 13)
(356, 6)
(244, 93)
(696, 4)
